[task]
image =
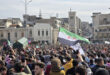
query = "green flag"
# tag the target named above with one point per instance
(69, 38)
(9, 42)
(37, 46)
(23, 41)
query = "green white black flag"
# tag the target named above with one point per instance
(69, 38)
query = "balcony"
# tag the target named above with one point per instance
(103, 32)
(2, 26)
(104, 25)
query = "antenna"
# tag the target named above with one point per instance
(57, 15)
(70, 9)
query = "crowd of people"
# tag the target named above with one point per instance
(61, 60)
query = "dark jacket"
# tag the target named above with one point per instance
(71, 71)
(96, 67)
(27, 72)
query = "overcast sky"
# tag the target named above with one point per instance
(84, 8)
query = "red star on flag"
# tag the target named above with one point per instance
(74, 38)
(68, 37)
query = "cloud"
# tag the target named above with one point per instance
(84, 8)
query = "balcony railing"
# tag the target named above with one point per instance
(104, 25)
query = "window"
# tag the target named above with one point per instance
(46, 33)
(1, 34)
(9, 36)
(105, 20)
(55, 22)
(71, 17)
(30, 32)
(42, 33)
(14, 22)
(16, 34)
(22, 34)
(39, 33)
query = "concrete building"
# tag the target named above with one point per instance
(10, 22)
(38, 28)
(13, 22)
(50, 21)
(101, 23)
(3, 23)
(31, 20)
(43, 33)
(42, 30)
(74, 23)
(14, 34)
(53, 21)
(64, 23)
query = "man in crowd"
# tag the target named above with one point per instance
(22, 62)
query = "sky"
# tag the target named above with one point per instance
(49, 8)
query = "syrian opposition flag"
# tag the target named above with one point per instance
(68, 38)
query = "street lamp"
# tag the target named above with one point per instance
(26, 3)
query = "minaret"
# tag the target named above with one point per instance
(40, 14)
(70, 9)
(57, 15)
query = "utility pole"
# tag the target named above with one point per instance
(26, 4)
(25, 7)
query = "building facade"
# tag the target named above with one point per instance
(10, 22)
(31, 20)
(13, 22)
(37, 28)
(3, 23)
(74, 23)
(101, 23)
(13, 34)
(41, 32)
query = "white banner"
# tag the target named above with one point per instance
(78, 47)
